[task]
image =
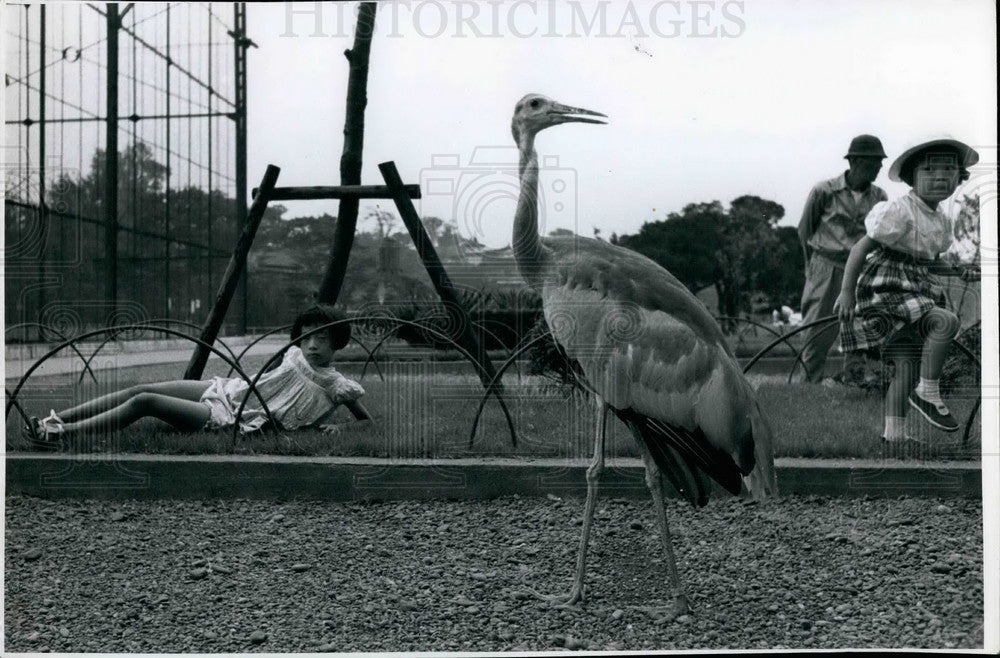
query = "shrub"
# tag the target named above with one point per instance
(959, 370)
(501, 318)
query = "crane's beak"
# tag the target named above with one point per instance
(565, 114)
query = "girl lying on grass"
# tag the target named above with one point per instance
(303, 391)
(889, 305)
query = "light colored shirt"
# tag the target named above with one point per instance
(297, 393)
(834, 218)
(909, 225)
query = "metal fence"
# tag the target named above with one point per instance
(125, 161)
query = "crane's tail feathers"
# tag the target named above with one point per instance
(688, 481)
(684, 456)
(761, 482)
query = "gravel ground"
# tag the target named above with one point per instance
(234, 576)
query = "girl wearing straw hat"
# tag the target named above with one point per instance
(889, 305)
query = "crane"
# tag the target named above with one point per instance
(649, 351)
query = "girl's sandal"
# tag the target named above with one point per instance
(53, 421)
(43, 435)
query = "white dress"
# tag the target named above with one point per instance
(895, 288)
(910, 226)
(296, 393)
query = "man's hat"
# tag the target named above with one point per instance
(866, 146)
(967, 156)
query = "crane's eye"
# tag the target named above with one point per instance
(535, 103)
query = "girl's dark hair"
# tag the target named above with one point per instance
(340, 334)
(922, 156)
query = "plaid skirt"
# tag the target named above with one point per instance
(894, 292)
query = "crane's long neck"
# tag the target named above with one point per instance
(527, 245)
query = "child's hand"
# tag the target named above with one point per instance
(333, 429)
(844, 306)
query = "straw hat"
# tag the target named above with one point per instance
(967, 156)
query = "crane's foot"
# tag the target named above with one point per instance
(564, 601)
(669, 612)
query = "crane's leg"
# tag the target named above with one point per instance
(593, 475)
(654, 480)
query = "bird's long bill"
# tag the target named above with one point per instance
(564, 114)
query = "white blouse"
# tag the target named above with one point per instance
(909, 225)
(297, 393)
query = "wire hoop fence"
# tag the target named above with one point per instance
(389, 325)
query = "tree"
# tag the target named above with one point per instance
(739, 251)
(454, 245)
(141, 184)
(783, 276)
(771, 259)
(385, 221)
(747, 248)
(434, 227)
(966, 247)
(684, 243)
(766, 211)
(190, 218)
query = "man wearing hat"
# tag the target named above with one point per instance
(832, 222)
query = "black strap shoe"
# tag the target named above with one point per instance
(936, 415)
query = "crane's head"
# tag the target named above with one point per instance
(535, 112)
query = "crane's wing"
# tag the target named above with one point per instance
(658, 358)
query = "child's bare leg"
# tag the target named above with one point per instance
(182, 389)
(940, 327)
(906, 363)
(902, 383)
(185, 415)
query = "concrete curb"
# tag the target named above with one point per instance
(123, 477)
(33, 351)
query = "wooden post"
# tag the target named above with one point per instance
(350, 160)
(337, 192)
(240, 45)
(43, 215)
(237, 263)
(111, 164)
(435, 269)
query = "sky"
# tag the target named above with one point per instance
(706, 100)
